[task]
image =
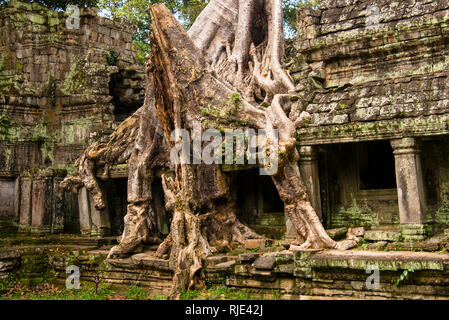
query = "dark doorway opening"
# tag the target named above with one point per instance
(7, 206)
(258, 203)
(118, 203)
(127, 97)
(377, 167)
(163, 221)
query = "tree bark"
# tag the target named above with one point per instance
(181, 92)
(235, 45)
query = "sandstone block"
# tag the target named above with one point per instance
(255, 244)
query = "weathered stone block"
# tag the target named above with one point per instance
(248, 257)
(382, 235)
(265, 262)
(225, 265)
(255, 244)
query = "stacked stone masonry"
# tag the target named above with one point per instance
(62, 86)
(374, 75)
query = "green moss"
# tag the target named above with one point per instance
(136, 293)
(77, 80)
(441, 215)
(53, 92)
(112, 57)
(217, 293)
(353, 216)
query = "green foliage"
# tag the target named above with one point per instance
(136, 293)
(217, 293)
(189, 294)
(5, 122)
(136, 11)
(159, 298)
(53, 92)
(290, 11)
(112, 58)
(362, 244)
(59, 4)
(403, 276)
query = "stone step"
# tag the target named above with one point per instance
(385, 260)
(382, 235)
(271, 219)
(272, 232)
(149, 260)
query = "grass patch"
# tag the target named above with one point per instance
(136, 293)
(222, 293)
(46, 291)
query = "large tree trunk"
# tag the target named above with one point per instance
(235, 45)
(182, 92)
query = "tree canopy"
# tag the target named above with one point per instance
(60, 4)
(186, 11)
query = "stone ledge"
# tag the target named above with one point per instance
(360, 260)
(376, 130)
(382, 235)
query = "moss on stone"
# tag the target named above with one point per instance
(354, 216)
(77, 81)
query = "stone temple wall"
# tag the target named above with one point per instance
(375, 61)
(375, 71)
(59, 84)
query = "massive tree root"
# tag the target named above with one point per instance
(139, 142)
(235, 45)
(182, 92)
(243, 43)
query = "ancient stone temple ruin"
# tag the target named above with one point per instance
(63, 84)
(375, 150)
(374, 155)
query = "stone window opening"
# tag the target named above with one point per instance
(127, 91)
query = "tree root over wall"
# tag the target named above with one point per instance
(234, 46)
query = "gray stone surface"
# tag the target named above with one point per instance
(7, 196)
(265, 262)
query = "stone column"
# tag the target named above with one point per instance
(84, 211)
(42, 212)
(308, 165)
(25, 204)
(92, 221)
(101, 224)
(409, 180)
(58, 206)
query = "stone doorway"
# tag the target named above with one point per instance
(359, 184)
(258, 203)
(7, 205)
(117, 204)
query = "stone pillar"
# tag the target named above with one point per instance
(42, 210)
(308, 165)
(25, 204)
(17, 199)
(92, 221)
(101, 224)
(58, 205)
(84, 211)
(409, 180)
